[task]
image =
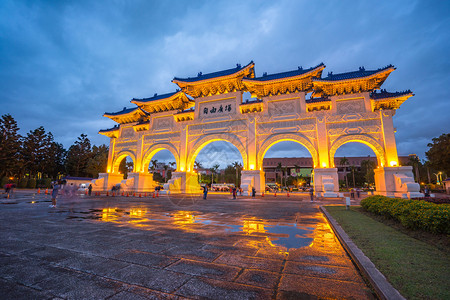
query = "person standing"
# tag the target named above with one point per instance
(234, 193)
(90, 189)
(357, 193)
(54, 194)
(205, 191)
(311, 194)
(253, 192)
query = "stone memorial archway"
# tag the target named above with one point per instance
(342, 108)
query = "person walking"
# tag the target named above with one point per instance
(253, 192)
(205, 191)
(90, 189)
(311, 194)
(56, 187)
(234, 193)
(357, 193)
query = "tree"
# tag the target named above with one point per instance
(237, 165)
(439, 153)
(213, 172)
(367, 169)
(55, 163)
(98, 161)
(344, 162)
(36, 151)
(154, 165)
(10, 143)
(78, 156)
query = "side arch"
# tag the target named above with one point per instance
(202, 142)
(121, 155)
(281, 137)
(363, 139)
(155, 148)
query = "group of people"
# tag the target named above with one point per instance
(234, 192)
(353, 191)
(9, 188)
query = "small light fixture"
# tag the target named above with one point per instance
(324, 165)
(252, 167)
(393, 163)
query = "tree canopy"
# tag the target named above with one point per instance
(439, 153)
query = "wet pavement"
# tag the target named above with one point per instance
(172, 247)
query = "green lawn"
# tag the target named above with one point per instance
(417, 269)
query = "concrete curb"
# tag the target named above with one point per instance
(382, 287)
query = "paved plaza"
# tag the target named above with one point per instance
(172, 247)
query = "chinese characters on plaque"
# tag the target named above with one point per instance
(217, 110)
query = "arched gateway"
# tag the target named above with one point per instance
(342, 108)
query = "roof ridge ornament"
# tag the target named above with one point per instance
(300, 68)
(238, 66)
(199, 74)
(362, 68)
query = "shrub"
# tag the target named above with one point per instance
(47, 182)
(32, 183)
(414, 214)
(22, 183)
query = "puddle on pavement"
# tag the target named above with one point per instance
(286, 235)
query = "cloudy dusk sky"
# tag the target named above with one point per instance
(64, 63)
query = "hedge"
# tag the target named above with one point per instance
(414, 214)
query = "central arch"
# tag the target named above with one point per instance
(363, 139)
(276, 138)
(202, 142)
(155, 149)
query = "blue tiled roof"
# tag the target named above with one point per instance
(116, 127)
(384, 94)
(156, 97)
(201, 76)
(123, 111)
(355, 74)
(297, 72)
(315, 100)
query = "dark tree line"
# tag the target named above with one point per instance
(37, 155)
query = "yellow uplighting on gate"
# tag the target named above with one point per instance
(393, 163)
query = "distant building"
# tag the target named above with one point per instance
(303, 166)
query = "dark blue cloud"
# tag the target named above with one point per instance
(64, 63)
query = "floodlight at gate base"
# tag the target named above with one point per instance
(393, 163)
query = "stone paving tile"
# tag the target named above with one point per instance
(9, 290)
(324, 271)
(49, 254)
(146, 259)
(92, 264)
(317, 257)
(25, 271)
(205, 269)
(155, 279)
(202, 288)
(323, 288)
(75, 285)
(230, 249)
(16, 246)
(259, 278)
(250, 262)
(148, 246)
(194, 254)
(137, 293)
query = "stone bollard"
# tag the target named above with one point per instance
(347, 202)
